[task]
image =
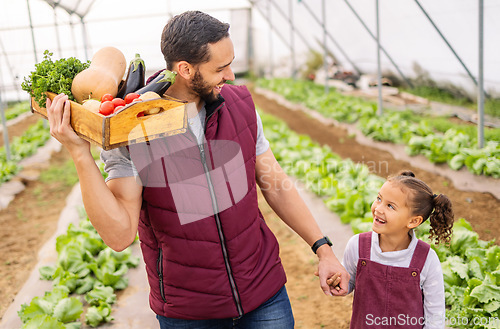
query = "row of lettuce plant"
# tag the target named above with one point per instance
(17, 109)
(455, 147)
(470, 266)
(85, 277)
(21, 147)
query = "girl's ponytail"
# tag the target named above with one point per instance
(441, 219)
(424, 203)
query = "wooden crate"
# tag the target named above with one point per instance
(126, 126)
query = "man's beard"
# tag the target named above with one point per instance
(203, 89)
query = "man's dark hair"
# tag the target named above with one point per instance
(186, 37)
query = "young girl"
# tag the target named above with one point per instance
(397, 278)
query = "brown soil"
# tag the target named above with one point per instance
(18, 128)
(32, 216)
(311, 308)
(29, 220)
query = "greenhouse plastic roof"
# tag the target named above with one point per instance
(78, 28)
(77, 7)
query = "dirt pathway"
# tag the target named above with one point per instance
(29, 220)
(19, 127)
(311, 308)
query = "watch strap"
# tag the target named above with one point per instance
(320, 242)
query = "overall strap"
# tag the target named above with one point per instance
(365, 245)
(420, 255)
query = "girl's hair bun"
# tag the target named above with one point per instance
(407, 173)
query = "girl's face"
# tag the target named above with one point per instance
(391, 214)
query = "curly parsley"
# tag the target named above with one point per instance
(52, 76)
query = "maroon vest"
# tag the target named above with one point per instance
(388, 296)
(208, 252)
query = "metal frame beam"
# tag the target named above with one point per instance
(375, 39)
(355, 67)
(481, 93)
(447, 43)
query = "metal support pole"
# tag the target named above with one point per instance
(379, 69)
(316, 19)
(15, 83)
(325, 51)
(85, 43)
(4, 124)
(58, 39)
(72, 28)
(304, 40)
(32, 31)
(292, 37)
(480, 86)
(250, 52)
(271, 66)
(169, 11)
(268, 19)
(381, 48)
(5, 131)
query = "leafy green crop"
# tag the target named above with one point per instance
(53, 310)
(85, 266)
(457, 146)
(21, 147)
(471, 267)
(348, 188)
(56, 77)
(471, 272)
(16, 110)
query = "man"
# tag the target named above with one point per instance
(211, 260)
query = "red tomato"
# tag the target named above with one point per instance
(117, 108)
(106, 97)
(130, 97)
(118, 101)
(106, 108)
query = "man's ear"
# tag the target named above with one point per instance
(415, 221)
(185, 70)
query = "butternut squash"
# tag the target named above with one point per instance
(103, 76)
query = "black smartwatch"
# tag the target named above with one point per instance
(320, 242)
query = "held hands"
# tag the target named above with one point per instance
(333, 277)
(58, 113)
(334, 281)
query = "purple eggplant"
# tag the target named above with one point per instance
(135, 77)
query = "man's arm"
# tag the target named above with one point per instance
(113, 208)
(281, 194)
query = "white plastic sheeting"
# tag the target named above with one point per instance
(135, 27)
(406, 34)
(64, 27)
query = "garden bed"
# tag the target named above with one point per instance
(480, 208)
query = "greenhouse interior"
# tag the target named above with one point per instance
(363, 114)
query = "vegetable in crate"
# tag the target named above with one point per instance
(56, 77)
(135, 77)
(103, 76)
(163, 80)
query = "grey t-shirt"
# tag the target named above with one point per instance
(117, 162)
